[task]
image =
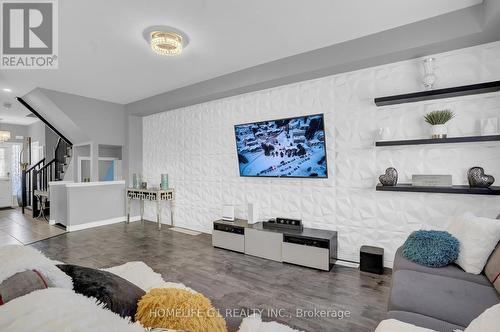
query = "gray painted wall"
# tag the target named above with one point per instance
(37, 132)
(51, 140)
(90, 121)
(15, 130)
(133, 153)
(78, 151)
(45, 137)
(51, 112)
(133, 150)
(102, 122)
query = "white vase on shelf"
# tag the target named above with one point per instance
(429, 78)
(439, 131)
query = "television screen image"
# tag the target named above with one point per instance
(293, 147)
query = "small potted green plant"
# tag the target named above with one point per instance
(438, 120)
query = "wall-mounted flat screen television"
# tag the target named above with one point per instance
(292, 147)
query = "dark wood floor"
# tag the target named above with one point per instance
(232, 280)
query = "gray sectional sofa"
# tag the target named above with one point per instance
(442, 299)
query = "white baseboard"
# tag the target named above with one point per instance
(52, 221)
(184, 231)
(347, 264)
(101, 223)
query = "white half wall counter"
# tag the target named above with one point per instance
(87, 204)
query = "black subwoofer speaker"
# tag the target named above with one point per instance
(371, 259)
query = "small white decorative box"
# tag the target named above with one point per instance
(423, 180)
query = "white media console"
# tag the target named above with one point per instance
(308, 247)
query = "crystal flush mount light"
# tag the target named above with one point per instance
(4, 136)
(166, 43)
(165, 40)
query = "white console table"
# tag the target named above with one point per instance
(154, 195)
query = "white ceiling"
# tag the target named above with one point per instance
(16, 114)
(103, 54)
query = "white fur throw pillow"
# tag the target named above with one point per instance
(478, 237)
(57, 309)
(16, 258)
(488, 321)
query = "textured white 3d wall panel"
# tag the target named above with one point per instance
(196, 146)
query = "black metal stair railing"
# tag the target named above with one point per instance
(28, 178)
(41, 179)
(51, 171)
(38, 176)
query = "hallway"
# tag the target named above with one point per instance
(16, 228)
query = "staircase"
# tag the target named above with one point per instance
(35, 179)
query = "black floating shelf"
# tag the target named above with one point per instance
(465, 139)
(445, 190)
(458, 91)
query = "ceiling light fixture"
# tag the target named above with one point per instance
(166, 43)
(165, 40)
(7, 90)
(4, 136)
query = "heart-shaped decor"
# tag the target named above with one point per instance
(390, 178)
(477, 178)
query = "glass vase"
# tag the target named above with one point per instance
(164, 182)
(136, 181)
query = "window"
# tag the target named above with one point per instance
(3, 162)
(16, 168)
